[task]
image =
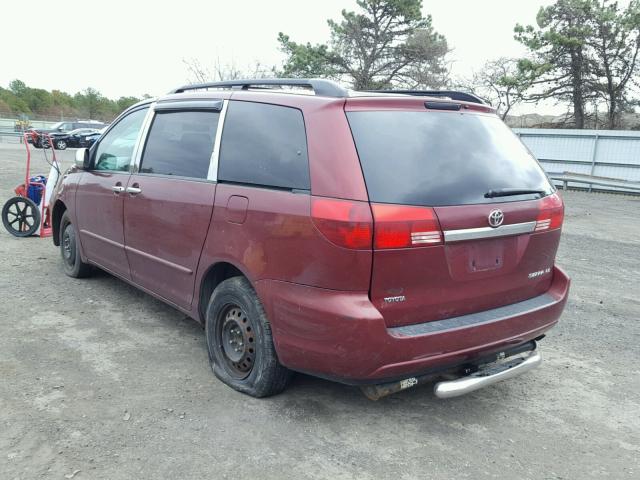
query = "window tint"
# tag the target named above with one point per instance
(438, 158)
(180, 143)
(264, 145)
(116, 147)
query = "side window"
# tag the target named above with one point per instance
(264, 144)
(180, 143)
(116, 147)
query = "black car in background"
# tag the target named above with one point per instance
(87, 140)
(36, 138)
(81, 137)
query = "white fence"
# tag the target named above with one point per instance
(609, 154)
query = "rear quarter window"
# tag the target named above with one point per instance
(441, 158)
(264, 145)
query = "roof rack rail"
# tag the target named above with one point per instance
(321, 87)
(452, 94)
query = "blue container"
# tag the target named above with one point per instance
(34, 192)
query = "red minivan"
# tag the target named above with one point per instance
(375, 239)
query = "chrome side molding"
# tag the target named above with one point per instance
(488, 232)
(489, 376)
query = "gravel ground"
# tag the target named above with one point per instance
(101, 380)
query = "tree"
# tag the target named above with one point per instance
(125, 102)
(17, 87)
(39, 100)
(560, 67)
(500, 82)
(62, 103)
(615, 43)
(388, 42)
(4, 107)
(12, 97)
(305, 60)
(19, 99)
(199, 73)
(91, 101)
(430, 70)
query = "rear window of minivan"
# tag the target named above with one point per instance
(441, 158)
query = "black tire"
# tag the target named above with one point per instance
(21, 216)
(239, 341)
(61, 145)
(70, 250)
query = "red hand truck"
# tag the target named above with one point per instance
(28, 212)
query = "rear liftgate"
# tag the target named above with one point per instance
(468, 377)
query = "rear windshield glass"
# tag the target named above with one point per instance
(441, 158)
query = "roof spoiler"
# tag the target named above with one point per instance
(452, 94)
(321, 87)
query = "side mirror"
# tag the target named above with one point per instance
(82, 158)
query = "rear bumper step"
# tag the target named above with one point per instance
(470, 377)
(485, 377)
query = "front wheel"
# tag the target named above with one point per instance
(239, 341)
(21, 216)
(61, 145)
(70, 250)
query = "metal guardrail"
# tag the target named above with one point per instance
(611, 183)
(12, 134)
(7, 123)
(9, 133)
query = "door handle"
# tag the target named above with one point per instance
(134, 190)
(117, 188)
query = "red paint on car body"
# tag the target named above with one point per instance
(323, 272)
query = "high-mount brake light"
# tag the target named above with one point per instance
(343, 222)
(551, 213)
(403, 226)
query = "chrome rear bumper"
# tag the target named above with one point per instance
(493, 373)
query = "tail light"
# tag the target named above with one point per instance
(343, 222)
(400, 226)
(551, 213)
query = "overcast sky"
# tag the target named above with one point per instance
(133, 47)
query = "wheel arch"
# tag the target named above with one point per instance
(215, 274)
(56, 216)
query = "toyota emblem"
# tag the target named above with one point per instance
(496, 217)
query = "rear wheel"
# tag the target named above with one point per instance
(70, 250)
(21, 216)
(239, 341)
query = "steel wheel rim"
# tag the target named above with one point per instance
(68, 245)
(24, 217)
(236, 338)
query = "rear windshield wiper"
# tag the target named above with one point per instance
(506, 192)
